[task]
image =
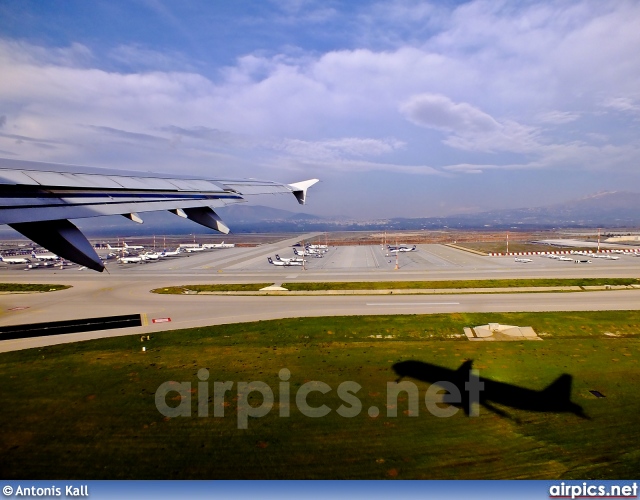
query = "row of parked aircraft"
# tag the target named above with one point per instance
(125, 254)
(564, 258)
(126, 257)
(582, 259)
(141, 258)
(39, 257)
(315, 251)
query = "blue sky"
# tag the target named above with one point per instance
(402, 108)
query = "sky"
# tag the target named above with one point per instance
(402, 108)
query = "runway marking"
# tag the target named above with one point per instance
(413, 303)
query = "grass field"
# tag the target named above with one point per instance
(517, 246)
(403, 285)
(496, 283)
(30, 287)
(87, 410)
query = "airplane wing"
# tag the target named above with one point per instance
(37, 199)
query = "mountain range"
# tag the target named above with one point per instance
(607, 209)
(618, 209)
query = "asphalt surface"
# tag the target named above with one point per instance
(125, 290)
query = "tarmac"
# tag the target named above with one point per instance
(126, 288)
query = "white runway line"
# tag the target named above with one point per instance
(413, 303)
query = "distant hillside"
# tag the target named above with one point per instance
(241, 218)
(244, 213)
(613, 209)
(607, 209)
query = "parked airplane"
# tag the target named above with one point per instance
(131, 260)
(293, 259)
(40, 198)
(149, 256)
(556, 397)
(192, 249)
(116, 249)
(167, 253)
(565, 258)
(219, 245)
(403, 249)
(523, 260)
(307, 253)
(44, 256)
(282, 263)
(312, 251)
(132, 247)
(607, 257)
(14, 260)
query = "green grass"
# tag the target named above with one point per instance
(516, 246)
(86, 410)
(245, 287)
(30, 287)
(497, 283)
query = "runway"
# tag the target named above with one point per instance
(126, 289)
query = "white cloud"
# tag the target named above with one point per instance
(138, 58)
(558, 117)
(338, 148)
(470, 128)
(75, 55)
(490, 86)
(625, 104)
(440, 112)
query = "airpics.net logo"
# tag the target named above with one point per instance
(586, 490)
(436, 403)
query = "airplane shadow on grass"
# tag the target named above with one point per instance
(555, 398)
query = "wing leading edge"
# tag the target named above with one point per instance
(37, 199)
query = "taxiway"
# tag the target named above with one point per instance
(126, 289)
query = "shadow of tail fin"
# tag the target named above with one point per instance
(559, 389)
(465, 367)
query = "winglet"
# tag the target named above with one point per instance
(299, 189)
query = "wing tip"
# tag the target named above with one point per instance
(299, 189)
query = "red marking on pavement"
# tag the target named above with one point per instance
(161, 320)
(18, 308)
